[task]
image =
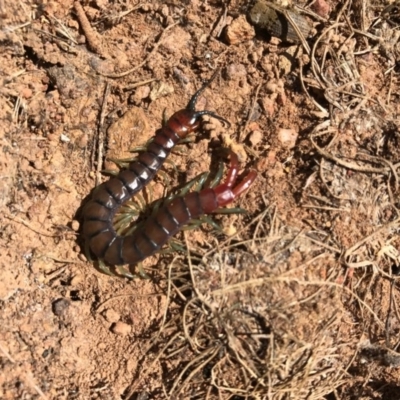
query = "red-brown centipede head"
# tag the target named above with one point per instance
(193, 116)
(184, 122)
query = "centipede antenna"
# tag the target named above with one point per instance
(211, 114)
(193, 100)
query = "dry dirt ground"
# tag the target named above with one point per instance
(297, 298)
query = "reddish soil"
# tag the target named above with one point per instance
(315, 257)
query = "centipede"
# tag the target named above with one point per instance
(100, 236)
(170, 218)
(157, 230)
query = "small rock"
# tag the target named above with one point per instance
(268, 106)
(60, 306)
(142, 92)
(287, 137)
(255, 137)
(76, 280)
(236, 71)
(75, 225)
(239, 31)
(266, 64)
(160, 89)
(271, 87)
(26, 93)
(321, 7)
(230, 230)
(111, 316)
(38, 164)
(121, 328)
(281, 98)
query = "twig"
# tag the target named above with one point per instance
(31, 382)
(90, 34)
(137, 84)
(243, 132)
(118, 16)
(23, 222)
(6, 354)
(349, 251)
(100, 144)
(347, 164)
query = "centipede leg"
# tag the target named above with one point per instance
(124, 272)
(130, 207)
(192, 225)
(187, 139)
(141, 272)
(197, 181)
(105, 269)
(132, 229)
(180, 150)
(164, 119)
(166, 179)
(87, 253)
(218, 176)
(141, 149)
(111, 172)
(125, 228)
(175, 245)
(195, 223)
(233, 210)
(141, 201)
(178, 246)
(207, 220)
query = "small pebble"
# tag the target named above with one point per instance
(26, 93)
(82, 141)
(111, 316)
(121, 328)
(236, 71)
(271, 87)
(287, 137)
(60, 306)
(255, 137)
(268, 106)
(142, 92)
(239, 31)
(230, 230)
(76, 280)
(38, 164)
(321, 7)
(75, 225)
(64, 138)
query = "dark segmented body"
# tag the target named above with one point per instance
(107, 198)
(159, 228)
